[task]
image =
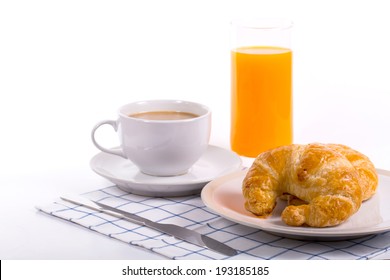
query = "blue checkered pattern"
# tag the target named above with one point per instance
(190, 212)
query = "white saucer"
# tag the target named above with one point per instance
(214, 163)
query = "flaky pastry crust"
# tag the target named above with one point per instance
(331, 180)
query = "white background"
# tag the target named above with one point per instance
(64, 65)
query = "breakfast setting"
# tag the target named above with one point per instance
(181, 197)
(196, 134)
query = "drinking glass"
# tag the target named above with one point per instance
(261, 85)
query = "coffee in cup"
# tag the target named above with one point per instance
(163, 115)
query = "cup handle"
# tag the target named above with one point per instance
(114, 124)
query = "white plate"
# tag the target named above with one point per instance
(215, 162)
(224, 196)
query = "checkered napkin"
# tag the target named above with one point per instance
(190, 212)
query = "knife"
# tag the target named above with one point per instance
(178, 232)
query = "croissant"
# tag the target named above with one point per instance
(331, 179)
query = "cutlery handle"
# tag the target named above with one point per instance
(123, 214)
(94, 205)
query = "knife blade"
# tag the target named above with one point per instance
(176, 231)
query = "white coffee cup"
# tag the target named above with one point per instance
(162, 147)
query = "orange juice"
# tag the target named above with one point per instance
(261, 101)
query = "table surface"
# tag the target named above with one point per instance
(61, 76)
(29, 234)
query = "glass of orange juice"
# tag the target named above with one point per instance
(261, 85)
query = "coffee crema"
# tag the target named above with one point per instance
(163, 115)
